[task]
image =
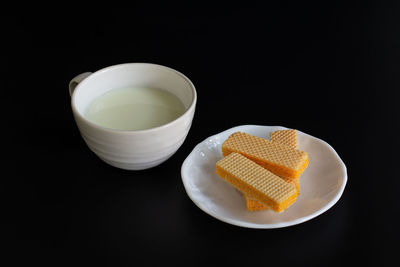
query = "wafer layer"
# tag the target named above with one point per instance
(256, 181)
(253, 204)
(282, 160)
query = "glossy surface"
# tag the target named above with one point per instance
(321, 184)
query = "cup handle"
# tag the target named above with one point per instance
(76, 80)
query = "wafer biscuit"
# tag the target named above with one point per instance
(252, 204)
(286, 137)
(282, 160)
(256, 181)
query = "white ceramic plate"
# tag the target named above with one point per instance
(321, 184)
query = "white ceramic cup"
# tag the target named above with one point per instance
(133, 150)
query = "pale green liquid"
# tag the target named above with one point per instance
(134, 109)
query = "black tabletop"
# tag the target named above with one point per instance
(331, 71)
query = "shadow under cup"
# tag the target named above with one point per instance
(134, 150)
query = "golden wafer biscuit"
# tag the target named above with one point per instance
(256, 181)
(286, 137)
(252, 204)
(282, 160)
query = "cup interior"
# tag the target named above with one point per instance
(133, 75)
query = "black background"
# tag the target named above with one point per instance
(332, 71)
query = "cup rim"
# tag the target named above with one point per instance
(98, 72)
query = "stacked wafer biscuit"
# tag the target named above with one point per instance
(286, 137)
(266, 172)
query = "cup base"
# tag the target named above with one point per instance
(136, 166)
